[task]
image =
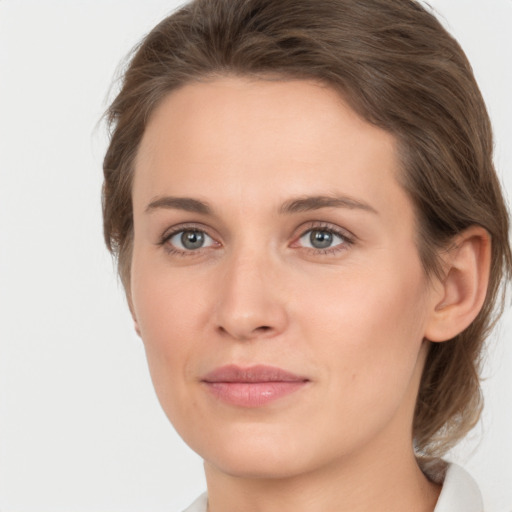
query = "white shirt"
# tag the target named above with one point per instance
(459, 494)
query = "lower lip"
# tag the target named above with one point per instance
(253, 394)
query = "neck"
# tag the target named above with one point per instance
(391, 482)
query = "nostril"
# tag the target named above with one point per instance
(246, 335)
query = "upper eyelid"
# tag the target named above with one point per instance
(328, 230)
(327, 226)
(192, 226)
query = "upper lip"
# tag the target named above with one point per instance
(257, 373)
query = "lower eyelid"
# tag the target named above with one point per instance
(209, 241)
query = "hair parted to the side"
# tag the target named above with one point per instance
(398, 68)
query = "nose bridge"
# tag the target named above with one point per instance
(249, 300)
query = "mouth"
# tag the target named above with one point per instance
(253, 386)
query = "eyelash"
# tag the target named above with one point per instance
(167, 236)
(347, 239)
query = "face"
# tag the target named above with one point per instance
(275, 279)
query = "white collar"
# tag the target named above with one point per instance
(459, 494)
(199, 505)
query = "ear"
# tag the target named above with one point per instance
(136, 326)
(132, 312)
(459, 296)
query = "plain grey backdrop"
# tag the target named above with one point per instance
(80, 427)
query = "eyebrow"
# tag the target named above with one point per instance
(309, 203)
(180, 203)
(297, 205)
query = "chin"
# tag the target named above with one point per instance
(260, 465)
(258, 455)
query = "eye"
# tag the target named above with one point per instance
(188, 240)
(323, 239)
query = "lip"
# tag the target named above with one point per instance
(253, 386)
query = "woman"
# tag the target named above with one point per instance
(312, 238)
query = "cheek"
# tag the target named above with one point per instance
(367, 328)
(169, 313)
(167, 305)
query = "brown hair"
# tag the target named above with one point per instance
(396, 66)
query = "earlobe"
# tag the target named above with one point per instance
(464, 287)
(135, 324)
(132, 312)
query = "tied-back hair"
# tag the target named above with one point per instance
(399, 69)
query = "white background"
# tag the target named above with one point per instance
(80, 427)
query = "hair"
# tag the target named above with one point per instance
(399, 69)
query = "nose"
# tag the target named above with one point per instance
(250, 302)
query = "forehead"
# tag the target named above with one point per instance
(235, 137)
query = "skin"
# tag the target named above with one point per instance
(352, 318)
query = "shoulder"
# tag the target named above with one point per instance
(460, 492)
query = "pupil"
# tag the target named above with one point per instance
(192, 239)
(321, 239)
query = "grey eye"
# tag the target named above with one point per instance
(190, 240)
(320, 239)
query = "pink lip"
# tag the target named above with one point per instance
(254, 386)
